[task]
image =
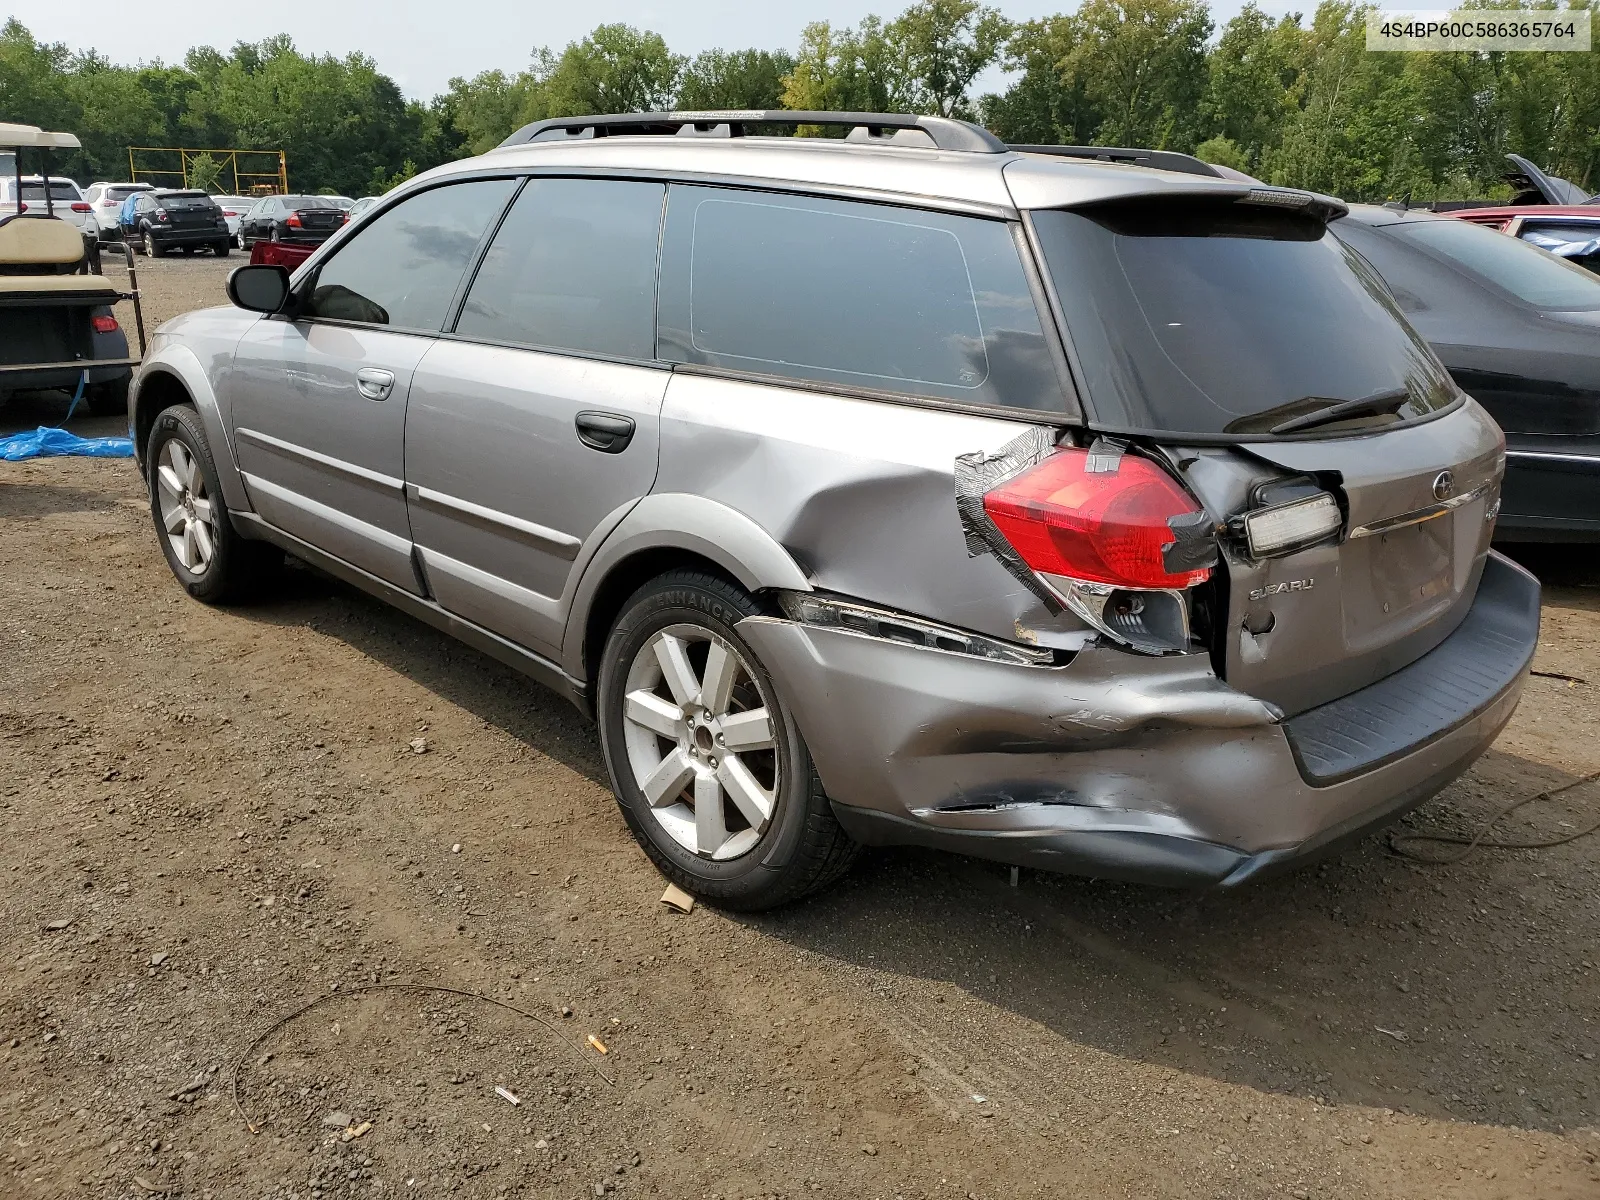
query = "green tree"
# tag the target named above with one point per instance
(742, 79)
(1252, 74)
(616, 69)
(937, 47)
(1223, 152)
(843, 70)
(205, 173)
(1045, 105)
(1142, 65)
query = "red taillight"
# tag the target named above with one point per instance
(1101, 527)
(80, 206)
(294, 221)
(21, 207)
(228, 212)
(344, 218)
(106, 324)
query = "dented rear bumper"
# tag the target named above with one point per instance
(1146, 769)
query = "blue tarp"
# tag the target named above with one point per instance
(47, 441)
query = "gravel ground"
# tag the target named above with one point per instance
(215, 816)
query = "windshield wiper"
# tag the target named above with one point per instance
(1382, 402)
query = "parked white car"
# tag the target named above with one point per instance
(66, 201)
(106, 201)
(233, 211)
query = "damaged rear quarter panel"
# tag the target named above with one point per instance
(860, 492)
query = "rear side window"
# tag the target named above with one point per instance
(403, 268)
(861, 295)
(572, 267)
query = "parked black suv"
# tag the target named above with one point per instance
(303, 220)
(168, 219)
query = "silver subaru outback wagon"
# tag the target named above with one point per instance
(892, 488)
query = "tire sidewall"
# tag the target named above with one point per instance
(183, 424)
(761, 871)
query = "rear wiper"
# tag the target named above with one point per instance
(1382, 402)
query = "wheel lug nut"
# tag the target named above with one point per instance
(721, 740)
(712, 760)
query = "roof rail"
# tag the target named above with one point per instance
(938, 133)
(1161, 160)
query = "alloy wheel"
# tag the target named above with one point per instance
(701, 741)
(187, 514)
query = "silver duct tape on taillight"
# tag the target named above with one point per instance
(975, 475)
(1150, 621)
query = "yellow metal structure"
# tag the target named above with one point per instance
(179, 162)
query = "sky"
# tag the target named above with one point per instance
(421, 44)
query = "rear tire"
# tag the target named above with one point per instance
(221, 249)
(152, 248)
(108, 399)
(769, 835)
(211, 560)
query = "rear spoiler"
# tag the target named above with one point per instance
(1160, 160)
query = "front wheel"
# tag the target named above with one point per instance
(709, 768)
(205, 552)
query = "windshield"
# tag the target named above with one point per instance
(1207, 317)
(1524, 270)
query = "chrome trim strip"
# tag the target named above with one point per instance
(1554, 456)
(560, 544)
(1419, 515)
(312, 458)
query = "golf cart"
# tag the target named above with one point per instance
(57, 329)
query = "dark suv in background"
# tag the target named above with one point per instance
(170, 219)
(304, 220)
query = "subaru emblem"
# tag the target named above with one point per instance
(1444, 485)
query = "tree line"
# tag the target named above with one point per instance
(1293, 100)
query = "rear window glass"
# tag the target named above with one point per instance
(1525, 271)
(122, 193)
(184, 200)
(860, 295)
(58, 191)
(1211, 318)
(298, 202)
(572, 267)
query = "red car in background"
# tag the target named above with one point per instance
(279, 254)
(1549, 212)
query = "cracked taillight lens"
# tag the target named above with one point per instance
(1112, 526)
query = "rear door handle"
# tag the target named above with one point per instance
(374, 383)
(609, 433)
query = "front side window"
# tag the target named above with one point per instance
(403, 268)
(572, 267)
(861, 295)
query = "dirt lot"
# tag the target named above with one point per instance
(225, 809)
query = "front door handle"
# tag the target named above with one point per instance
(374, 383)
(609, 433)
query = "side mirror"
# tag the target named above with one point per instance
(262, 289)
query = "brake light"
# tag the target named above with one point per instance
(104, 324)
(1100, 527)
(21, 207)
(294, 221)
(228, 212)
(80, 207)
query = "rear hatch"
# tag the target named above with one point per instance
(190, 210)
(1266, 363)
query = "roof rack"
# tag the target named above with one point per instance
(1161, 160)
(938, 133)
